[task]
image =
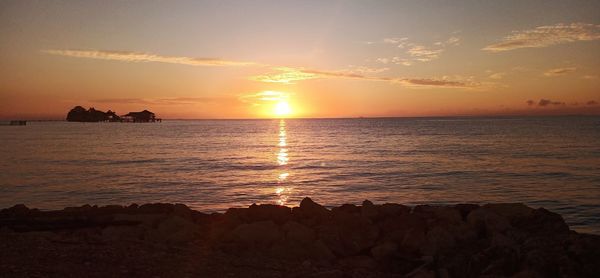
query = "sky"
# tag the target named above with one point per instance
(265, 59)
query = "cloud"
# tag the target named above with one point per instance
(290, 75)
(497, 75)
(395, 40)
(424, 54)
(548, 35)
(559, 71)
(547, 102)
(264, 97)
(417, 52)
(436, 83)
(590, 77)
(395, 60)
(129, 56)
(157, 101)
(367, 70)
(285, 75)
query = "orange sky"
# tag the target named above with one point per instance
(219, 59)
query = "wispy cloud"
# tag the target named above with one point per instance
(559, 71)
(290, 75)
(545, 103)
(395, 40)
(264, 97)
(129, 56)
(286, 75)
(417, 52)
(436, 82)
(157, 101)
(395, 60)
(548, 35)
(553, 103)
(497, 75)
(424, 54)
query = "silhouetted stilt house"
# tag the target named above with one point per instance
(140, 117)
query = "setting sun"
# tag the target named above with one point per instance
(282, 108)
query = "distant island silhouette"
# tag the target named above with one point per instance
(80, 114)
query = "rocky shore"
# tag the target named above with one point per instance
(368, 240)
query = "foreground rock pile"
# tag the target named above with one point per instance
(388, 240)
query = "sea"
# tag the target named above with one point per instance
(212, 165)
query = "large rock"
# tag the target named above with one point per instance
(487, 222)
(297, 232)
(395, 228)
(310, 213)
(348, 234)
(275, 213)
(384, 250)
(257, 234)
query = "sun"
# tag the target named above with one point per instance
(282, 108)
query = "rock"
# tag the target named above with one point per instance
(308, 208)
(495, 240)
(333, 273)
(384, 250)
(394, 228)
(388, 209)
(278, 214)
(17, 210)
(320, 252)
(543, 221)
(295, 231)
(443, 215)
(147, 219)
(346, 208)
(368, 210)
(357, 233)
(176, 229)
(314, 251)
(156, 208)
(465, 209)
(117, 233)
(413, 240)
(358, 262)
(421, 273)
(310, 213)
(438, 239)
(183, 211)
(257, 234)
(487, 222)
(500, 240)
(348, 234)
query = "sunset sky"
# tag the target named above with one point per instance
(257, 59)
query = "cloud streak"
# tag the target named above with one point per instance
(285, 75)
(559, 71)
(417, 52)
(289, 75)
(137, 57)
(157, 101)
(547, 35)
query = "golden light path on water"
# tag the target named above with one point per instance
(282, 190)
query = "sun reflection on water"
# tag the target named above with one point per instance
(282, 191)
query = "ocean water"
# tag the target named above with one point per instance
(211, 165)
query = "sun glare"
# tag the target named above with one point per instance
(282, 109)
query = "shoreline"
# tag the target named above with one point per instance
(367, 240)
